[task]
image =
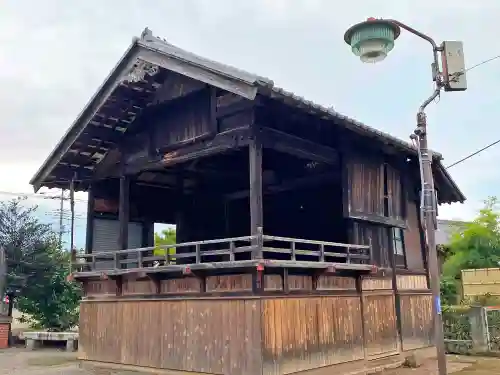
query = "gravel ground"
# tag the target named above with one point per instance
(40, 362)
(53, 362)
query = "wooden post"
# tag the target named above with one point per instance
(124, 212)
(89, 236)
(179, 204)
(256, 213)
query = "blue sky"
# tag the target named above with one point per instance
(54, 55)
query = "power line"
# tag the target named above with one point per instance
(39, 196)
(491, 144)
(473, 154)
(482, 63)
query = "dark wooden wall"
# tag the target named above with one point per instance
(366, 196)
(378, 196)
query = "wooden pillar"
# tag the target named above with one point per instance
(148, 234)
(89, 236)
(124, 211)
(256, 209)
(180, 206)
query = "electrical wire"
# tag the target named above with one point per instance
(39, 196)
(481, 63)
(491, 144)
(473, 154)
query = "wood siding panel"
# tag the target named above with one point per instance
(412, 239)
(416, 321)
(229, 283)
(377, 236)
(273, 282)
(299, 282)
(218, 336)
(175, 86)
(411, 282)
(300, 334)
(181, 285)
(138, 287)
(365, 187)
(184, 119)
(394, 194)
(99, 288)
(376, 283)
(380, 324)
(326, 282)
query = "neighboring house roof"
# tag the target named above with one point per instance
(156, 51)
(446, 228)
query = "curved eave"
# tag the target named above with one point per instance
(95, 102)
(165, 56)
(452, 193)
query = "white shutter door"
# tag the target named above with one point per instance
(105, 238)
(134, 241)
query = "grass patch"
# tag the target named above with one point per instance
(48, 361)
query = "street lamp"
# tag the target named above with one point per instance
(371, 41)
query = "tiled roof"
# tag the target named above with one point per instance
(230, 78)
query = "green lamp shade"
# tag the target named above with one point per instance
(372, 41)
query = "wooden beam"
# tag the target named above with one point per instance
(89, 237)
(237, 105)
(220, 143)
(67, 172)
(286, 185)
(387, 221)
(256, 208)
(124, 211)
(297, 146)
(100, 133)
(179, 205)
(213, 110)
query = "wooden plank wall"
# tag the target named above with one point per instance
(366, 233)
(379, 316)
(305, 322)
(415, 301)
(306, 332)
(413, 238)
(365, 187)
(203, 336)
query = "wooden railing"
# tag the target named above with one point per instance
(323, 250)
(227, 250)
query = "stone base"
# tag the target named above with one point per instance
(34, 339)
(359, 367)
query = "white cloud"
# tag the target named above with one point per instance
(54, 56)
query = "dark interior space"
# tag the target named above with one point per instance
(302, 199)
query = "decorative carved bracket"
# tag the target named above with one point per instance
(139, 71)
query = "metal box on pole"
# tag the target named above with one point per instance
(453, 61)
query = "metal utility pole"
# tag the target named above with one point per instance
(3, 273)
(372, 40)
(72, 205)
(61, 225)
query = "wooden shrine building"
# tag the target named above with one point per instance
(299, 240)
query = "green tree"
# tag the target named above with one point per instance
(37, 268)
(475, 246)
(53, 303)
(165, 237)
(478, 245)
